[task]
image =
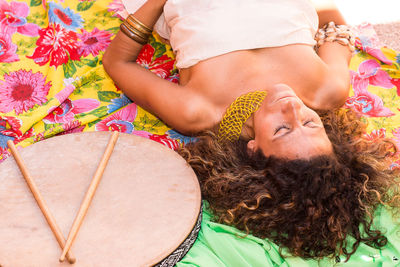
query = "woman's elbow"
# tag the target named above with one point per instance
(107, 62)
(333, 97)
(342, 97)
(341, 91)
(113, 66)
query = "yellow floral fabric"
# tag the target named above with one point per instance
(52, 80)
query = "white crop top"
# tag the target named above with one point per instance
(201, 29)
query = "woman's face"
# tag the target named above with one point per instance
(285, 127)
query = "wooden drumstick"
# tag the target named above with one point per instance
(40, 201)
(89, 195)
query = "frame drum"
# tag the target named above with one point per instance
(147, 204)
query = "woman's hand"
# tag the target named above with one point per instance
(122, 48)
(327, 11)
(149, 13)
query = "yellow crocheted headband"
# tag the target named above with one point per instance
(237, 114)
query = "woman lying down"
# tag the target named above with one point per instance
(284, 185)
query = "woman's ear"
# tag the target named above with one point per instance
(251, 147)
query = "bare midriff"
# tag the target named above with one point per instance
(223, 78)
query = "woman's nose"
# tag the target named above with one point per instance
(290, 105)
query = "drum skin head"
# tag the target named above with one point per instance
(146, 204)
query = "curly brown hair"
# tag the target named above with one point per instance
(309, 206)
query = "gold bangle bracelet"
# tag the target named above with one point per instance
(136, 31)
(140, 25)
(132, 35)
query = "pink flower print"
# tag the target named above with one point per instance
(10, 126)
(60, 114)
(119, 121)
(163, 139)
(142, 134)
(38, 137)
(72, 127)
(369, 72)
(93, 42)
(55, 44)
(4, 153)
(373, 51)
(10, 129)
(64, 93)
(367, 104)
(378, 54)
(367, 40)
(66, 111)
(118, 8)
(375, 135)
(396, 82)
(7, 48)
(75, 130)
(21, 90)
(68, 89)
(13, 16)
(161, 66)
(26, 135)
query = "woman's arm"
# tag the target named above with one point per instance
(124, 49)
(337, 82)
(179, 107)
(328, 11)
(336, 57)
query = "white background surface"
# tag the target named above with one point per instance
(373, 11)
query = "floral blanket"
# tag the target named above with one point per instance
(52, 80)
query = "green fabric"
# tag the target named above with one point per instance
(222, 245)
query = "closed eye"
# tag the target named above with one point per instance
(311, 123)
(280, 127)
